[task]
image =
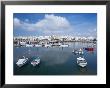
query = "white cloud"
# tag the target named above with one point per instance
(17, 22)
(26, 20)
(92, 30)
(50, 24)
(55, 22)
(95, 30)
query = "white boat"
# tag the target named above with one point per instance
(75, 52)
(36, 61)
(22, 43)
(81, 62)
(64, 45)
(80, 51)
(56, 44)
(38, 45)
(47, 45)
(22, 61)
(29, 45)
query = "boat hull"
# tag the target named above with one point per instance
(89, 49)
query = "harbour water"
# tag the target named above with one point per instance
(56, 60)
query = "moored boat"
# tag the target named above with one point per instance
(29, 45)
(64, 45)
(89, 49)
(80, 51)
(75, 51)
(36, 61)
(47, 45)
(38, 45)
(56, 44)
(81, 62)
(22, 61)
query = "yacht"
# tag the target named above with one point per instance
(36, 61)
(47, 45)
(29, 45)
(75, 51)
(64, 45)
(81, 62)
(22, 61)
(79, 52)
(38, 45)
(56, 44)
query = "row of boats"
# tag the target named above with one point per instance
(46, 45)
(24, 60)
(80, 51)
(81, 61)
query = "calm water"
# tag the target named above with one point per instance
(56, 60)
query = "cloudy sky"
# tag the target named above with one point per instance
(44, 24)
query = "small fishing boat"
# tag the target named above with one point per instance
(38, 45)
(22, 61)
(47, 45)
(64, 45)
(29, 45)
(80, 51)
(56, 44)
(36, 61)
(81, 62)
(89, 49)
(75, 52)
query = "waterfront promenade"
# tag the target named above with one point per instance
(50, 40)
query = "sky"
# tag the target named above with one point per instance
(47, 24)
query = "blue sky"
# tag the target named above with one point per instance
(43, 24)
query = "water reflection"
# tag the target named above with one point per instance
(55, 60)
(82, 69)
(90, 52)
(56, 57)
